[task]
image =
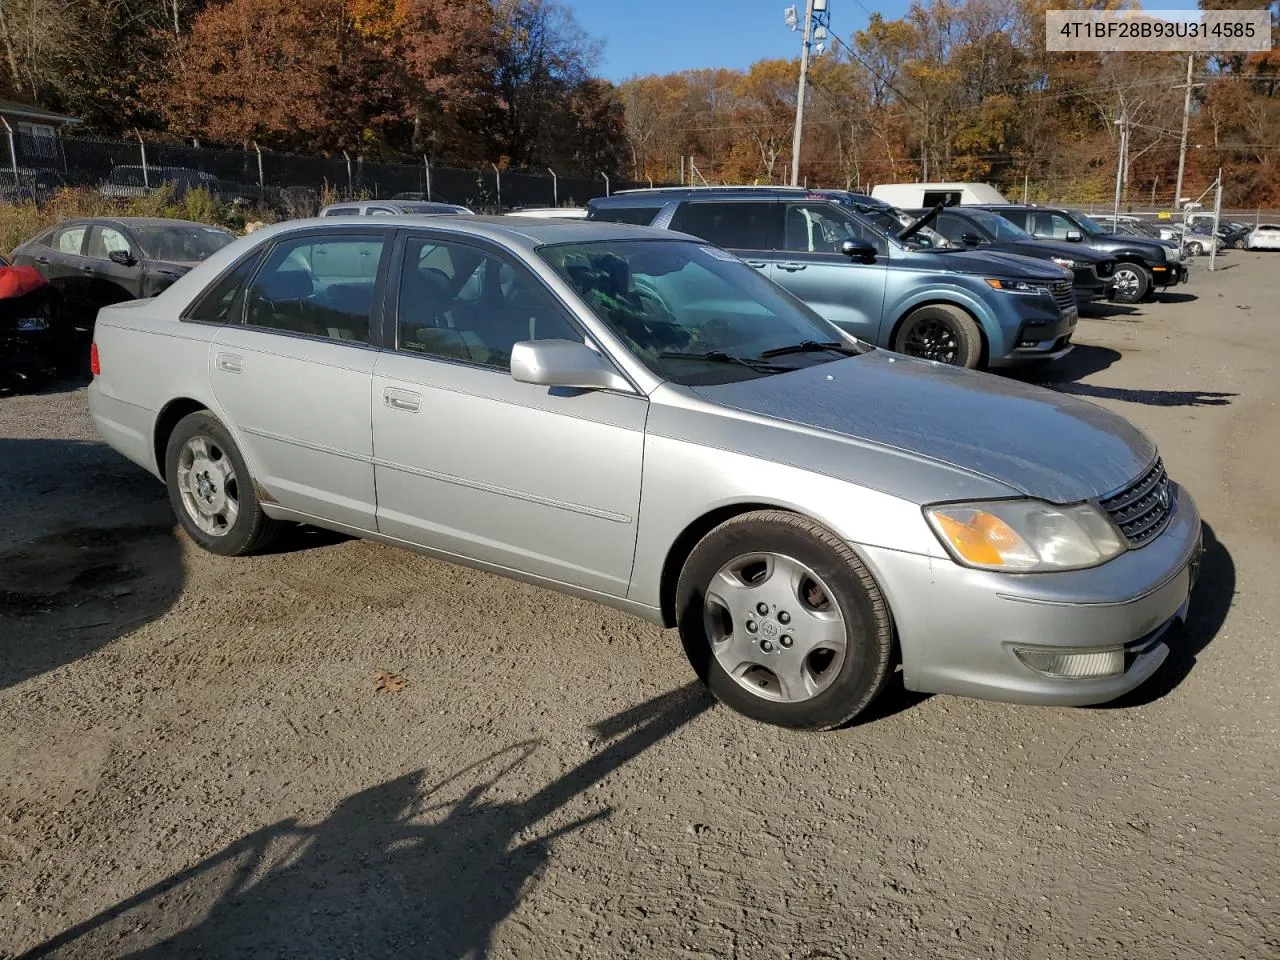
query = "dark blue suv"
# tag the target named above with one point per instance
(940, 303)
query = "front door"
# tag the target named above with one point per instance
(540, 480)
(294, 377)
(811, 266)
(112, 282)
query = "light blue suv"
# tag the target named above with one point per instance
(937, 302)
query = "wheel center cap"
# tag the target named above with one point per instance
(769, 629)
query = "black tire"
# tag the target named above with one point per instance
(252, 529)
(941, 332)
(1195, 248)
(864, 671)
(1239, 245)
(1141, 282)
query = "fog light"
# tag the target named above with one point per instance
(1074, 665)
(1028, 343)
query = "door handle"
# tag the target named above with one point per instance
(230, 363)
(88, 270)
(405, 400)
(792, 267)
(42, 260)
(757, 263)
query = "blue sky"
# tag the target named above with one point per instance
(659, 36)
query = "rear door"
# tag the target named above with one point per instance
(751, 229)
(811, 267)
(294, 376)
(68, 272)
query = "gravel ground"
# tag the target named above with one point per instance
(195, 760)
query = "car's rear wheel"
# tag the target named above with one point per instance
(1239, 245)
(943, 333)
(783, 622)
(211, 490)
(1195, 248)
(1131, 283)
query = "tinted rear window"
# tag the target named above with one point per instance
(639, 216)
(749, 225)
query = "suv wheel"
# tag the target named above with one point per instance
(943, 333)
(1131, 283)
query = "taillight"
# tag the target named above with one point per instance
(94, 366)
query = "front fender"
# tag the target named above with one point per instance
(999, 323)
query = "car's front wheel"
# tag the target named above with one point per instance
(783, 622)
(211, 490)
(1131, 283)
(943, 333)
(1195, 248)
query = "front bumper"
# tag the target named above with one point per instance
(1089, 286)
(957, 627)
(1168, 274)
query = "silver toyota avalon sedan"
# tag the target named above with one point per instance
(635, 417)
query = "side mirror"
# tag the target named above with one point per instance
(122, 257)
(564, 363)
(1074, 236)
(862, 251)
(970, 239)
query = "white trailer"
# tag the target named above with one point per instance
(915, 196)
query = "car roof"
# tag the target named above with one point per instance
(527, 232)
(643, 196)
(146, 222)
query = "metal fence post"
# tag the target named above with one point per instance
(350, 193)
(13, 153)
(146, 176)
(427, 163)
(555, 188)
(498, 178)
(606, 182)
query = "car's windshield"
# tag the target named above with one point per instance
(692, 313)
(1087, 226)
(182, 243)
(997, 225)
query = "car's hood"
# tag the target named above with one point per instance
(1042, 443)
(1047, 248)
(994, 263)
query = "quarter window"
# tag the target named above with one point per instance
(221, 302)
(69, 240)
(735, 225)
(459, 302)
(318, 286)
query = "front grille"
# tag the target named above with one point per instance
(1063, 294)
(1143, 509)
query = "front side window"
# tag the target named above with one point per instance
(320, 286)
(821, 227)
(459, 302)
(733, 224)
(69, 240)
(104, 241)
(692, 313)
(1051, 225)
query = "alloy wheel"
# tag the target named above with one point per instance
(1127, 281)
(775, 627)
(932, 339)
(206, 479)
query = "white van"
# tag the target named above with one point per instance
(916, 196)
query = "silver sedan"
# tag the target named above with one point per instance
(638, 418)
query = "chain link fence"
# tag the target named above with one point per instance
(290, 184)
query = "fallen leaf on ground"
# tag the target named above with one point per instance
(388, 683)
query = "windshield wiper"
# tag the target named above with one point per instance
(810, 346)
(720, 356)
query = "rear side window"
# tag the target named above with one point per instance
(220, 303)
(69, 239)
(639, 216)
(742, 225)
(319, 286)
(342, 212)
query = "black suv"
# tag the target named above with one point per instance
(982, 229)
(1141, 265)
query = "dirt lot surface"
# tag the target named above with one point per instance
(195, 760)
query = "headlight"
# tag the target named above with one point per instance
(1025, 536)
(1015, 286)
(1174, 253)
(33, 323)
(1064, 262)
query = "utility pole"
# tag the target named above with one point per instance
(804, 72)
(1186, 119)
(1123, 123)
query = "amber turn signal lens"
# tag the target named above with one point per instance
(984, 539)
